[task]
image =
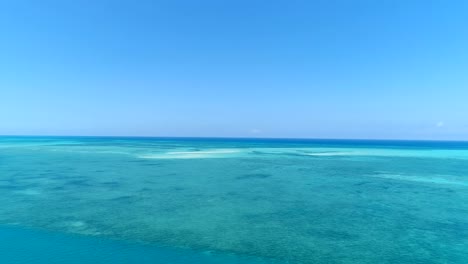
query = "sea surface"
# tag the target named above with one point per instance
(246, 201)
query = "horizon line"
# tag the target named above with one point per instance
(239, 137)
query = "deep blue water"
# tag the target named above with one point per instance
(25, 246)
(196, 200)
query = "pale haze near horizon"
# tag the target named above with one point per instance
(307, 69)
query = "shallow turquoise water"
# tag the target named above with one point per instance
(232, 201)
(26, 246)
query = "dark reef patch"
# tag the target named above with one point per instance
(253, 176)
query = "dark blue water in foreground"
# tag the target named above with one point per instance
(26, 246)
(171, 200)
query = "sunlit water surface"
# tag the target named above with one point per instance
(147, 200)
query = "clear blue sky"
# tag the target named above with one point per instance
(243, 68)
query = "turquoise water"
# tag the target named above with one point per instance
(148, 200)
(26, 246)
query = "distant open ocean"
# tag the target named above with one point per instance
(245, 201)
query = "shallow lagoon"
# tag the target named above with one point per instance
(291, 201)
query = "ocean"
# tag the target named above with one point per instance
(247, 201)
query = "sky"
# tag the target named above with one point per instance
(246, 68)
